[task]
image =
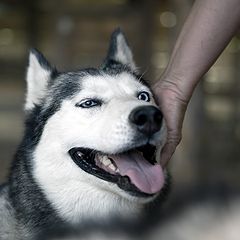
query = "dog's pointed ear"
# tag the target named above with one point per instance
(119, 52)
(39, 72)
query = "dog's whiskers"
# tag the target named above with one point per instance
(139, 79)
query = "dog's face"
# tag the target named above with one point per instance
(101, 131)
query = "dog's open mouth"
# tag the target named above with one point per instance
(135, 171)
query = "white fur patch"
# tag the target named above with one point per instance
(37, 80)
(123, 53)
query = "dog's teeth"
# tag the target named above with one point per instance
(79, 154)
(106, 161)
(112, 167)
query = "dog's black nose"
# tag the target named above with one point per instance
(147, 119)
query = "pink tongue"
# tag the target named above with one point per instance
(146, 177)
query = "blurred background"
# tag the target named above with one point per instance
(75, 33)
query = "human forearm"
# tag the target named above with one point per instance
(206, 32)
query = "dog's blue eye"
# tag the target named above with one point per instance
(144, 96)
(89, 103)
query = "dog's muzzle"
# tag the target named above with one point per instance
(134, 170)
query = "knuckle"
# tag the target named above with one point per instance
(174, 139)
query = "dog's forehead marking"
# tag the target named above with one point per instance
(111, 85)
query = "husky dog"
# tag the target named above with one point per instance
(90, 148)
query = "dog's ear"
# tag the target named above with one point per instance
(119, 52)
(39, 72)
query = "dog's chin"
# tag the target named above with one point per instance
(135, 171)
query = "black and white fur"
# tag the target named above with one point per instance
(46, 189)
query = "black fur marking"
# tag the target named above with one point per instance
(113, 67)
(2, 186)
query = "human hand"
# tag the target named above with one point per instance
(194, 52)
(173, 104)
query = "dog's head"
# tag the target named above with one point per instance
(97, 132)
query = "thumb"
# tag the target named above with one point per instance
(166, 153)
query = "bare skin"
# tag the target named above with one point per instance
(208, 29)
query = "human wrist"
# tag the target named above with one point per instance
(182, 83)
